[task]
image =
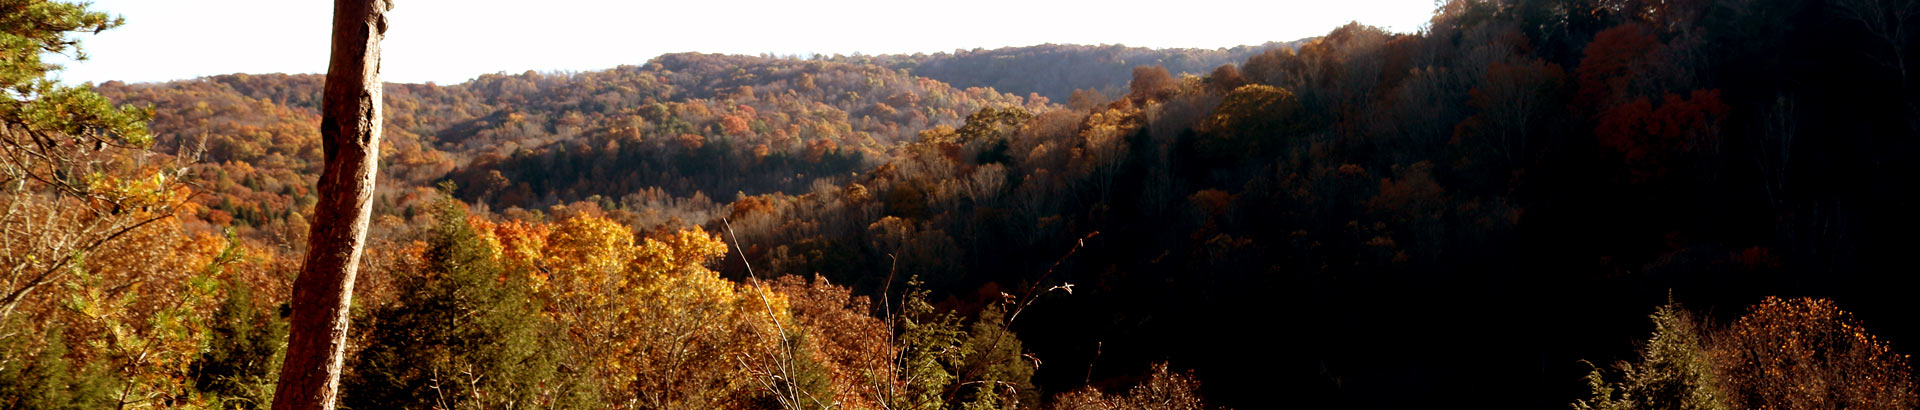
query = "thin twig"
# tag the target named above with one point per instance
(782, 362)
(1030, 296)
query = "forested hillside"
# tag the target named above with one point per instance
(1483, 213)
(682, 124)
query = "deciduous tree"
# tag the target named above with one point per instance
(1808, 354)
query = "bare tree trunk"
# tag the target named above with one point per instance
(350, 137)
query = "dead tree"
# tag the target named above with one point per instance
(350, 139)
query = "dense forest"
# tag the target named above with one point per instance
(1602, 204)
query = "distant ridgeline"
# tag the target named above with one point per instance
(681, 124)
(684, 123)
(1055, 71)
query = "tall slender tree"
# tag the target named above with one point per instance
(350, 140)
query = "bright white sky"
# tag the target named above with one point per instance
(451, 41)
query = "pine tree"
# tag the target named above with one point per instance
(65, 186)
(464, 334)
(242, 359)
(994, 371)
(1674, 371)
(49, 380)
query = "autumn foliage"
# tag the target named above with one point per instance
(1807, 354)
(1800, 353)
(1368, 218)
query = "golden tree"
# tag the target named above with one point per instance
(662, 329)
(1808, 354)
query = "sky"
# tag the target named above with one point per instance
(452, 41)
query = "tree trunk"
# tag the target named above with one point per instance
(350, 138)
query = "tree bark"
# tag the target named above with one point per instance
(350, 139)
